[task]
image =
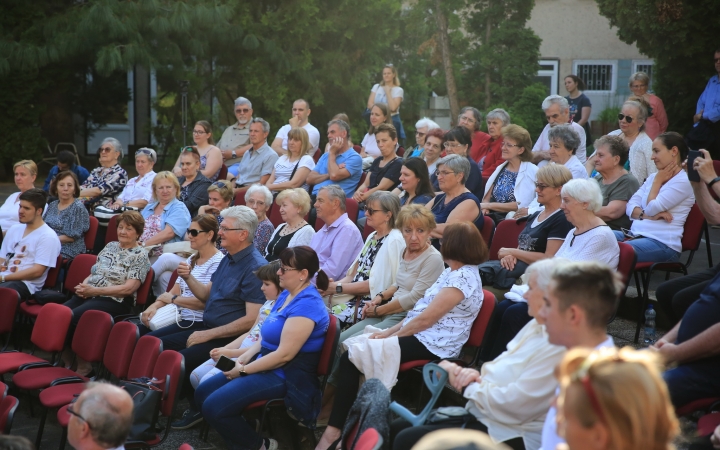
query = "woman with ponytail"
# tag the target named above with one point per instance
(282, 364)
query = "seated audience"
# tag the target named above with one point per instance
(294, 205)
(232, 301)
(557, 112)
(496, 120)
(433, 149)
(138, 190)
(113, 282)
(107, 181)
(615, 400)
(422, 127)
(211, 158)
(659, 209)
(193, 184)
(339, 240)
(25, 173)
(30, 248)
(471, 119)
(379, 114)
(380, 256)
(509, 396)
(65, 161)
(202, 234)
(300, 114)
(291, 341)
(101, 417)
(235, 140)
(616, 184)
(512, 183)
(438, 325)
(291, 170)
(166, 218)
(456, 203)
(415, 184)
(67, 216)
(457, 142)
(340, 164)
(564, 142)
(384, 173)
(344, 117)
(220, 196)
(259, 199)
(258, 162)
(576, 309)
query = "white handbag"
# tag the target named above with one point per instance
(167, 315)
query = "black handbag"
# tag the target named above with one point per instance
(147, 396)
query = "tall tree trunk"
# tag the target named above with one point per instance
(487, 69)
(447, 62)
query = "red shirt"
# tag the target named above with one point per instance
(479, 146)
(493, 158)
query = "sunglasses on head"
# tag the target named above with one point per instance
(220, 184)
(187, 149)
(144, 151)
(627, 119)
(194, 233)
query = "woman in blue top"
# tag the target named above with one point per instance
(166, 218)
(287, 357)
(415, 184)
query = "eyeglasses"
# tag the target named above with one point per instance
(508, 145)
(466, 119)
(105, 149)
(417, 133)
(627, 119)
(451, 144)
(284, 269)
(541, 186)
(194, 233)
(444, 172)
(72, 411)
(369, 211)
(197, 132)
(144, 151)
(220, 184)
(225, 230)
(242, 111)
(252, 203)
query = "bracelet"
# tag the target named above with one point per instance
(375, 311)
(714, 180)
(380, 294)
(172, 300)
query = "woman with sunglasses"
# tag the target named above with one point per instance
(202, 234)
(138, 190)
(193, 184)
(211, 159)
(107, 181)
(294, 205)
(291, 170)
(384, 173)
(220, 196)
(457, 142)
(415, 184)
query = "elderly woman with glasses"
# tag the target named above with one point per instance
(657, 121)
(259, 199)
(422, 127)
(294, 204)
(211, 158)
(193, 184)
(491, 152)
(458, 142)
(138, 190)
(107, 181)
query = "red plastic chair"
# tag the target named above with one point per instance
(8, 306)
(144, 292)
(352, 208)
(488, 229)
(703, 404)
(91, 233)
(147, 350)
(173, 280)
(357, 148)
(318, 154)
(400, 151)
(367, 230)
(275, 216)
(8, 406)
(79, 270)
(506, 236)
(3, 390)
(48, 335)
(222, 175)
(111, 234)
(239, 199)
(692, 235)
(626, 265)
(707, 424)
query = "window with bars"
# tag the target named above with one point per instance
(597, 77)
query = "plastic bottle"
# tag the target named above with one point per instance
(650, 325)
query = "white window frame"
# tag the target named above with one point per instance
(553, 74)
(600, 62)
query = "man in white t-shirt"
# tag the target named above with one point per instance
(30, 248)
(300, 114)
(557, 111)
(578, 304)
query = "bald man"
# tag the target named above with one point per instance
(101, 418)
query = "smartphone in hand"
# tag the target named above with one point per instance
(225, 364)
(693, 174)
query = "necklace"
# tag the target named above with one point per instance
(287, 230)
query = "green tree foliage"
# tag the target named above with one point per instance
(681, 36)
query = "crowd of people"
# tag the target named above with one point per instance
(413, 264)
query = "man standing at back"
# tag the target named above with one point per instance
(557, 112)
(341, 165)
(300, 115)
(235, 140)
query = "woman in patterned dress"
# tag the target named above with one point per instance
(107, 181)
(67, 215)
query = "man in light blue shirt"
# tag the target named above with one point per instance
(340, 165)
(707, 114)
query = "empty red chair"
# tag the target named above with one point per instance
(506, 236)
(8, 306)
(79, 270)
(144, 292)
(111, 234)
(91, 234)
(144, 357)
(8, 406)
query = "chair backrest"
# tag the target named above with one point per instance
(362, 180)
(329, 349)
(144, 291)
(91, 233)
(185, 446)
(120, 347)
(317, 155)
(170, 366)
(8, 406)
(488, 229)
(626, 262)
(3, 390)
(239, 199)
(222, 175)
(111, 233)
(479, 326)
(173, 280)
(275, 216)
(716, 166)
(357, 148)
(319, 223)
(693, 229)
(369, 440)
(51, 327)
(8, 306)
(400, 151)
(144, 357)
(53, 273)
(91, 335)
(506, 236)
(79, 270)
(367, 230)
(352, 209)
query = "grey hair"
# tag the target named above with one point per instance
(639, 76)
(426, 122)
(585, 191)
(544, 269)
(108, 427)
(477, 115)
(499, 113)
(245, 218)
(457, 164)
(335, 192)
(389, 202)
(566, 134)
(642, 112)
(555, 100)
(153, 154)
(262, 189)
(263, 122)
(243, 101)
(116, 145)
(341, 124)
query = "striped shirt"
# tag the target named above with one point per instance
(202, 273)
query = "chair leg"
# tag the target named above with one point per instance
(38, 439)
(643, 304)
(707, 244)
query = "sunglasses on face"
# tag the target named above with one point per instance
(541, 186)
(105, 149)
(194, 233)
(242, 111)
(369, 211)
(627, 119)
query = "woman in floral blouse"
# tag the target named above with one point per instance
(67, 216)
(259, 199)
(107, 181)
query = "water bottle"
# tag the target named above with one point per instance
(650, 325)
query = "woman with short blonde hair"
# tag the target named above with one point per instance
(294, 205)
(25, 172)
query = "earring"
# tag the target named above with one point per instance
(302, 279)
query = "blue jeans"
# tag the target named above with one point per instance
(648, 249)
(223, 402)
(234, 169)
(690, 382)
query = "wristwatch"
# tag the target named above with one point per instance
(234, 155)
(242, 372)
(714, 180)
(380, 294)
(338, 288)
(642, 213)
(172, 300)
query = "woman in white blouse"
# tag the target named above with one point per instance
(138, 191)
(25, 172)
(295, 231)
(659, 209)
(564, 142)
(291, 170)
(378, 114)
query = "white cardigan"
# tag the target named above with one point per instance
(384, 269)
(303, 236)
(640, 156)
(524, 183)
